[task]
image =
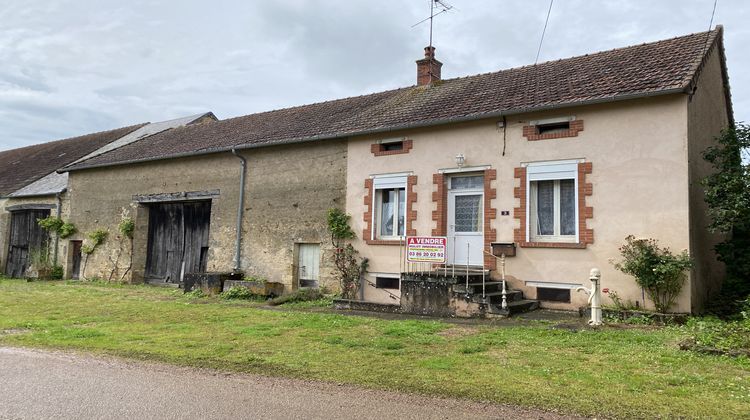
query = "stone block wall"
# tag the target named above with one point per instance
(288, 192)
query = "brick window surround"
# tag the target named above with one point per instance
(440, 214)
(585, 235)
(378, 149)
(411, 213)
(531, 132)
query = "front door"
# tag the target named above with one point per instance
(177, 240)
(26, 238)
(466, 220)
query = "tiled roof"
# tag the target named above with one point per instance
(662, 67)
(20, 167)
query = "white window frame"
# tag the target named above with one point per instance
(387, 182)
(552, 171)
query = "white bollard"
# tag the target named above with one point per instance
(595, 297)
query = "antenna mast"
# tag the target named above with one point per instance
(444, 7)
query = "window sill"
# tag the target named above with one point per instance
(569, 245)
(383, 242)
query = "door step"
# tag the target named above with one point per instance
(514, 308)
(163, 284)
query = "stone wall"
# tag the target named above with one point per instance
(289, 190)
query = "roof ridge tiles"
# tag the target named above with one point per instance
(655, 68)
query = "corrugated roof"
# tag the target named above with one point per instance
(55, 183)
(662, 67)
(22, 166)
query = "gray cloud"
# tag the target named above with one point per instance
(75, 66)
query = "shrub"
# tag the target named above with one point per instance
(345, 258)
(56, 273)
(67, 229)
(50, 223)
(302, 295)
(655, 269)
(98, 236)
(58, 226)
(256, 279)
(195, 293)
(238, 292)
(126, 227)
(710, 333)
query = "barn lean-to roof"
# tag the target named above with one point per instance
(25, 165)
(659, 68)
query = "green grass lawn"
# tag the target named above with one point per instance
(613, 372)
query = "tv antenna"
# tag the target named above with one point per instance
(437, 7)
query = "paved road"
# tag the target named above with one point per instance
(37, 384)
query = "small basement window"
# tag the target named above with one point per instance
(387, 282)
(550, 294)
(556, 127)
(392, 146)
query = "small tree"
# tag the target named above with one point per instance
(655, 269)
(728, 198)
(349, 266)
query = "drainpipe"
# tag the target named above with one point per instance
(240, 210)
(58, 197)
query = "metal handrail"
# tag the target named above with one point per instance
(501, 259)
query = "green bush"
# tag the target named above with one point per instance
(58, 226)
(67, 229)
(195, 293)
(56, 273)
(256, 279)
(655, 269)
(50, 223)
(126, 227)
(302, 295)
(98, 236)
(725, 336)
(238, 292)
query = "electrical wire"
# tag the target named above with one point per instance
(543, 32)
(710, 24)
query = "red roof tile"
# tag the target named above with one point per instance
(661, 67)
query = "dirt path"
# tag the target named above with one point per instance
(50, 384)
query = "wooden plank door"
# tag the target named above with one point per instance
(26, 237)
(178, 240)
(75, 272)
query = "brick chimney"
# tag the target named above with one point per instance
(428, 68)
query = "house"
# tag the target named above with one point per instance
(563, 159)
(32, 189)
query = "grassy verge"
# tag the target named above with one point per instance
(609, 372)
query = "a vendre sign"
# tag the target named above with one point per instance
(426, 248)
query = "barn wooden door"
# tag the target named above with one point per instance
(25, 237)
(177, 240)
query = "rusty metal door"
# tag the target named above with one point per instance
(26, 237)
(177, 240)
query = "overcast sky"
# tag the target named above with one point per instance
(71, 67)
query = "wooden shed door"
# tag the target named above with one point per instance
(25, 237)
(177, 240)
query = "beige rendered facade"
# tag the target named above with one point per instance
(645, 166)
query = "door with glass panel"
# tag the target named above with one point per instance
(466, 220)
(308, 265)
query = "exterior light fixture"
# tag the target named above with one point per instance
(460, 160)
